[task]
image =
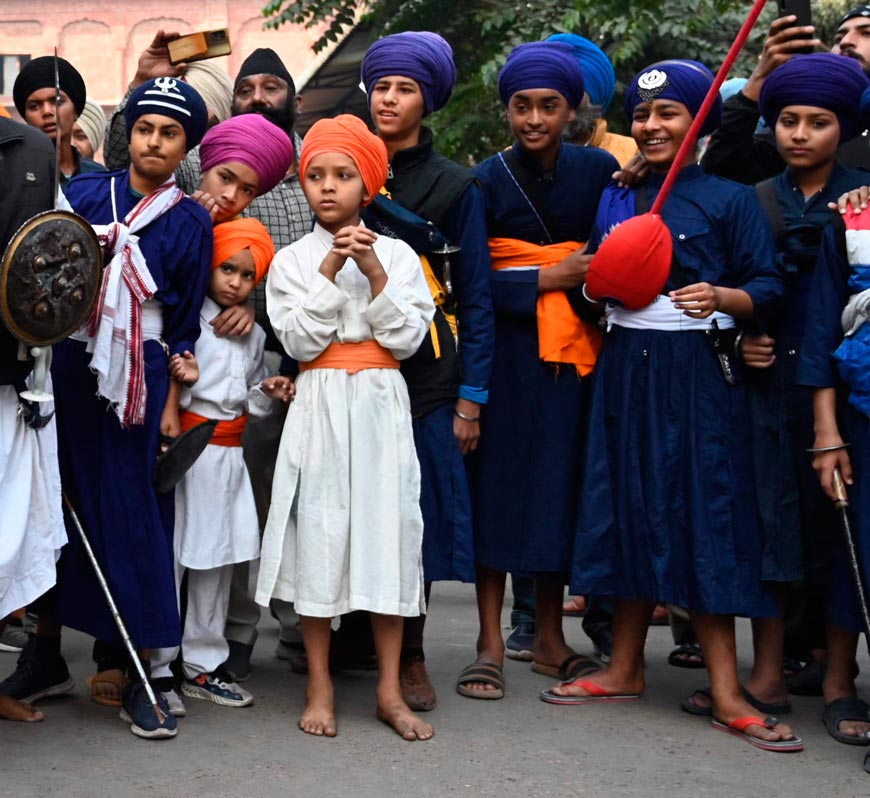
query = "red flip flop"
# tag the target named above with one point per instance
(738, 729)
(597, 694)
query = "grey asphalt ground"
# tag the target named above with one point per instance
(518, 747)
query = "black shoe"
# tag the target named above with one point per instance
(37, 676)
(602, 639)
(238, 663)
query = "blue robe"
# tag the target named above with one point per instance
(668, 511)
(106, 469)
(818, 369)
(797, 517)
(526, 473)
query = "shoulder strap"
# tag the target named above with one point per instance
(839, 226)
(530, 188)
(389, 218)
(766, 193)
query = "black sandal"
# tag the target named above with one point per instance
(688, 655)
(481, 672)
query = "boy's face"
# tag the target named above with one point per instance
(659, 128)
(397, 106)
(40, 111)
(81, 142)
(807, 137)
(233, 185)
(232, 281)
(335, 190)
(157, 145)
(537, 118)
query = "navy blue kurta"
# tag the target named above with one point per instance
(668, 510)
(106, 469)
(526, 473)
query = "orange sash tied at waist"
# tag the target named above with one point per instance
(226, 433)
(353, 357)
(562, 336)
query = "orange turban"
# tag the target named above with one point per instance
(348, 135)
(232, 237)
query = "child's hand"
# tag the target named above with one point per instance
(854, 200)
(699, 300)
(234, 321)
(282, 388)
(208, 202)
(184, 368)
(170, 425)
(757, 351)
(356, 242)
(332, 264)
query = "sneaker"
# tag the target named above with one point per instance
(238, 663)
(166, 686)
(520, 641)
(288, 650)
(13, 638)
(217, 687)
(138, 711)
(37, 677)
(602, 641)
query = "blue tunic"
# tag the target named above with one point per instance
(668, 511)
(797, 517)
(106, 469)
(526, 473)
(818, 369)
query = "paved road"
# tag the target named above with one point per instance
(515, 748)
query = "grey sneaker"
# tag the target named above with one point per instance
(13, 639)
(217, 687)
(166, 688)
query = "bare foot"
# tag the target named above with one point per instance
(318, 717)
(10, 709)
(730, 711)
(406, 724)
(606, 680)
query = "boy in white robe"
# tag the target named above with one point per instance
(345, 528)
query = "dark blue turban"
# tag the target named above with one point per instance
(422, 56)
(678, 79)
(542, 65)
(173, 98)
(821, 80)
(598, 74)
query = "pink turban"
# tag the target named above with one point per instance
(253, 140)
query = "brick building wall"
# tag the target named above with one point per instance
(103, 40)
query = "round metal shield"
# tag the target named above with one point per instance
(49, 277)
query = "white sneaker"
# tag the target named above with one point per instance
(217, 687)
(176, 705)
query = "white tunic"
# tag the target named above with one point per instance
(31, 519)
(215, 515)
(345, 529)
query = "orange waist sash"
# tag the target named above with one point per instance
(353, 357)
(562, 336)
(226, 433)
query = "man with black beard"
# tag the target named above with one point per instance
(263, 86)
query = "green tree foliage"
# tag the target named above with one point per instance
(633, 33)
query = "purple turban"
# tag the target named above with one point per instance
(822, 80)
(677, 79)
(422, 56)
(253, 140)
(598, 74)
(542, 65)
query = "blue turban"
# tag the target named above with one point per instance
(598, 74)
(678, 79)
(821, 80)
(422, 56)
(173, 98)
(542, 65)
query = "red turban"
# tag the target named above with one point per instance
(232, 237)
(349, 136)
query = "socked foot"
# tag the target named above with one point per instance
(10, 709)
(607, 681)
(395, 712)
(729, 711)
(318, 717)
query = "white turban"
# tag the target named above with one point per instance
(213, 85)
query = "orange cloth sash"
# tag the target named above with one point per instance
(226, 433)
(562, 336)
(353, 357)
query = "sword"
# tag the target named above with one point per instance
(57, 136)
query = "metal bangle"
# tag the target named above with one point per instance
(464, 417)
(821, 449)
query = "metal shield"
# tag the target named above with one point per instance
(49, 277)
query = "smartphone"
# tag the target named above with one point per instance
(199, 46)
(800, 9)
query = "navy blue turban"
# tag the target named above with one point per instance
(598, 74)
(173, 98)
(542, 65)
(422, 56)
(678, 79)
(821, 80)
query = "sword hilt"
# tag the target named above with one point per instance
(842, 499)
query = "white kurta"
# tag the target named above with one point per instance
(215, 515)
(345, 529)
(31, 519)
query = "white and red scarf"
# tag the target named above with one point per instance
(114, 328)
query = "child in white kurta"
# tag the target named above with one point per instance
(345, 528)
(216, 522)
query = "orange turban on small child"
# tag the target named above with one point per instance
(348, 135)
(232, 237)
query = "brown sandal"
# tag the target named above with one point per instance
(106, 687)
